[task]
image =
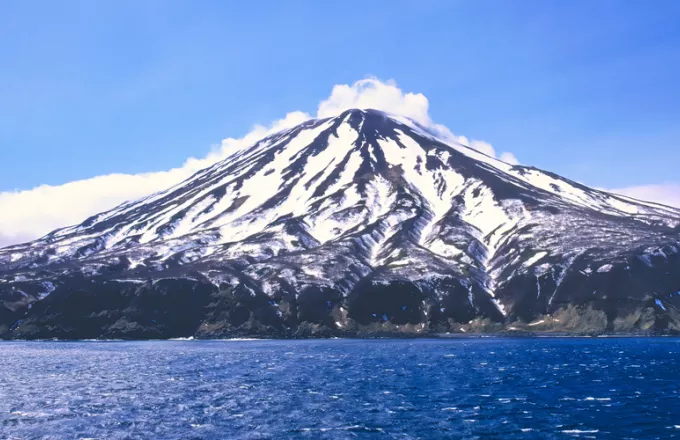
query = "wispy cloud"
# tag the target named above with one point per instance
(666, 194)
(388, 97)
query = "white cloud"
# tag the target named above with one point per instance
(666, 194)
(509, 158)
(388, 97)
(30, 213)
(373, 93)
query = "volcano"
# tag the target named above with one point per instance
(361, 224)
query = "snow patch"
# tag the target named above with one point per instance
(605, 268)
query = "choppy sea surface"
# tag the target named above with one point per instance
(614, 388)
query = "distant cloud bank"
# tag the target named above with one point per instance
(666, 194)
(29, 214)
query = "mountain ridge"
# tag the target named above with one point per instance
(367, 220)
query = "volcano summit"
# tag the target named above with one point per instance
(360, 224)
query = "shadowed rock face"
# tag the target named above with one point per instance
(362, 224)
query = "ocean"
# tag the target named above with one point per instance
(484, 388)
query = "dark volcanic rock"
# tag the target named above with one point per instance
(83, 308)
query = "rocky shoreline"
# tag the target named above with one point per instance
(368, 336)
(86, 308)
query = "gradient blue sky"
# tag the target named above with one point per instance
(588, 89)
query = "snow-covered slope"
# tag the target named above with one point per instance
(384, 221)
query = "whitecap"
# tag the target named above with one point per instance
(241, 339)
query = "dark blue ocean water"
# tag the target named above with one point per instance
(404, 389)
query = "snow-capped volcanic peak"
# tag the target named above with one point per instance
(361, 195)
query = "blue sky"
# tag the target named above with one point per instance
(587, 89)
